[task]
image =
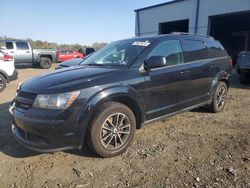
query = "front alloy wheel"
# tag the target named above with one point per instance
(115, 131)
(112, 129)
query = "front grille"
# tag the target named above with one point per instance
(24, 100)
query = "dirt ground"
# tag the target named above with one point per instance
(193, 149)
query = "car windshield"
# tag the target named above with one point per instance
(121, 53)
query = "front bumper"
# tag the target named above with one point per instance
(36, 146)
(44, 131)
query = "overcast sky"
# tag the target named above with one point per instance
(70, 21)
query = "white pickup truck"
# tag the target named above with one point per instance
(24, 54)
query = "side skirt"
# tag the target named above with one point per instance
(175, 113)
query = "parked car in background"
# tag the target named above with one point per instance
(64, 55)
(24, 54)
(7, 70)
(72, 62)
(243, 66)
(117, 90)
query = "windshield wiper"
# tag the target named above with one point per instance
(95, 64)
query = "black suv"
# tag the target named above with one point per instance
(243, 66)
(119, 89)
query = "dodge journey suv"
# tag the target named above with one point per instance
(119, 89)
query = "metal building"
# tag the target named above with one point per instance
(225, 20)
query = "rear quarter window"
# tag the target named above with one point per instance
(194, 50)
(216, 49)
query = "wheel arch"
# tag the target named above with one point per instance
(221, 76)
(124, 95)
(2, 72)
(120, 94)
(45, 55)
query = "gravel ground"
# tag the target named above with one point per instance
(193, 149)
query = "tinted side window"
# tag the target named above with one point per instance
(216, 49)
(195, 50)
(22, 46)
(9, 45)
(171, 50)
(6, 45)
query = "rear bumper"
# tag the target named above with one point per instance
(14, 76)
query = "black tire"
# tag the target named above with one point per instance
(45, 63)
(2, 83)
(117, 142)
(243, 77)
(219, 98)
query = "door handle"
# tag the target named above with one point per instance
(184, 71)
(27, 52)
(212, 67)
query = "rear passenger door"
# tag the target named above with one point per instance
(167, 86)
(202, 69)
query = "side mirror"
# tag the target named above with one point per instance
(155, 62)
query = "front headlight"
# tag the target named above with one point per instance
(56, 101)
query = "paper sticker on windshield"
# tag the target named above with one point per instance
(146, 43)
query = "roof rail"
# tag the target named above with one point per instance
(183, 33)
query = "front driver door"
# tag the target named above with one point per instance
(167, 86)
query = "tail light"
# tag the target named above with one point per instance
(6, 58)
(230, 61)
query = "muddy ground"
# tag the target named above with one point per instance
(193, 149)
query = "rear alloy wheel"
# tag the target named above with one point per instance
(45, 63)
(2, 83)
(219, 98)
(112, 130)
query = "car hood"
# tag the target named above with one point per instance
(68, 79)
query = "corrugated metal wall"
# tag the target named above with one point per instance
(149, 19)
